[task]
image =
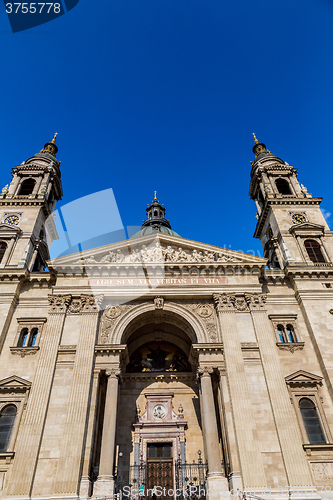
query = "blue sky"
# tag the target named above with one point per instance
(165, 95)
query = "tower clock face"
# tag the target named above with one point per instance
(298, 218)
(13, 220)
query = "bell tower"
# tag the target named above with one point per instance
(290, 224)
(25, 206)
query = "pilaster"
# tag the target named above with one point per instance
(251, 465)
(296, 466)
(30, 434)
(71, 455)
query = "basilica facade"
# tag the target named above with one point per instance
(160, 366)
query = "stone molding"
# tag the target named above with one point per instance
(112, 329)
(24, 351)
(290, 346)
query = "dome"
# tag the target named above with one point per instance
(151, 230)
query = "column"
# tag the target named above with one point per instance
(72, 451)
(31, 429)
(216, 479)
(86, 484)
(251, 464)
(105, 481)
(235, 481)
(296, 465)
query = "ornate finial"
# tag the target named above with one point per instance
(54, 138)
(255, 139)
(155, 197)
(51, 147)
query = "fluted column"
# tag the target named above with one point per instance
(72, 452)
(31, 429)
(216, 479)
(105, 481)
(296, 465)
(251, 464)
(231, 455)
(86, 483)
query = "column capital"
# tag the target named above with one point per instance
(205, 371)
(256, 301)
(59, 303)
(85, 304)
(113, 373)
(224, 302)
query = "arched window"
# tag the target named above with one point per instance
(3, 248)
(7, 418)
(311, 421)
(281, 332)
(33, 337)
(283, 186)
(27, 187)
(291, 333)
(23, 337)
(314, 251)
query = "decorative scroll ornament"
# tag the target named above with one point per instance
(256, 301)
(159, 302)
(224, 302)
(109, 319)
(59, 303)
(205, 311)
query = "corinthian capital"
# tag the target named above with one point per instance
(59, 303)
(224, 302)
(91, 303)
(256, 301)
(204, 371)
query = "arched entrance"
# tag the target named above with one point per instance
(160, 417)
(160, 429)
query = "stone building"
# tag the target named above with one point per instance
(160, 362)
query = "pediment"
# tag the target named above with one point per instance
(14, 383)
(154, 250)
(302, 377)
(307, 228)
(8, 230)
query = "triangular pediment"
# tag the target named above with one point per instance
(307, 227)
(154, 250)
(303, 377)
(9, 230)
(14, 383)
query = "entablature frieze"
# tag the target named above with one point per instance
(246, 302)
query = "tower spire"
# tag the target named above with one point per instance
(259, 147)
(51, 147)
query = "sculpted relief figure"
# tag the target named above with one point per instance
(156, 253)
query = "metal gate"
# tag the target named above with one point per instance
(138, 481)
